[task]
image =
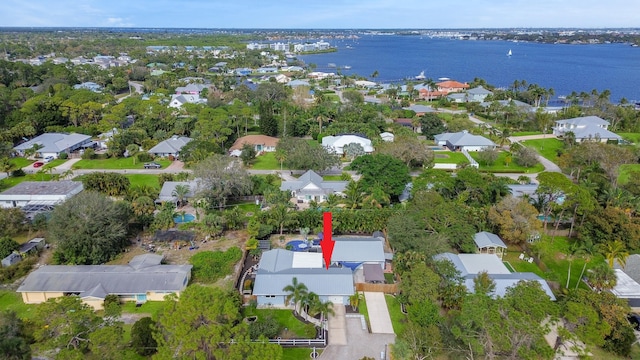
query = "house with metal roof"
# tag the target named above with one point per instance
(170, 147)
(143, 279)
(311, 187)
(478, 94)
(489, 243)
(177, 100)
(586, 128)
(522, 190)
(355, 251)
(628, 281)
(470, 265)
(336, 144)
(464, 141)
(30, 194)
(52, 144)
(278, 267)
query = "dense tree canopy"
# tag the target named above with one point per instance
(89, 229)
(382, 171)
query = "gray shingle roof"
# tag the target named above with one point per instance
(54, 142)
(166, 193)
(173, 145)
(62, 188)
(463, 138)
(310, 177)
(479, 91)
(114, 279)
(486, 239)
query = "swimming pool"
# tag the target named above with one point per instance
(298, 245)
(180, 219)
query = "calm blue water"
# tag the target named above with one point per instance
(179, 219)
(565, 68)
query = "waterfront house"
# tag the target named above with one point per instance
(477, 94)
(464, 141)
(311, 187)
(586, 128)
(450, 86)
(52, 144)
(143, 279)
(170, 147)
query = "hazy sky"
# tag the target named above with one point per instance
(321, 14)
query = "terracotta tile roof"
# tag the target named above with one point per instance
(452, 84)
(254, 140)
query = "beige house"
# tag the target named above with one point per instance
(143, 279)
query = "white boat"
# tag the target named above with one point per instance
(347, 67)
(421, 76)
(509, 53)
(331, 65)
(444, 79)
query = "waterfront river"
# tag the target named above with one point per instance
(565, 68)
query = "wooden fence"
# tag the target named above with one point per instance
(383, 288)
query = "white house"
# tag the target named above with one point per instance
(336, 144)
(170, 147)
(42, 194)
(387, 136)
(178, 100)
(52, 144)
(311, 187)
(586, 128)
(464, 141)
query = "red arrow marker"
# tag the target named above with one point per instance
(327, 243)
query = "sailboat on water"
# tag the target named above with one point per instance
(509, 53)
(421, 76)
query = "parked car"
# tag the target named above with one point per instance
(37, 164)
(152, 165)
(634, 320)
(48, 159)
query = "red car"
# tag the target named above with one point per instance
(37, 164)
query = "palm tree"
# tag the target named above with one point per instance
(132, 151)
(586, 250)
(280, 156)
(354, 300)
(297, 291)
(601, 277)
(180, 192)
(318, 306)
(280, 216)
(615, 251)
(7, 166)
(354, 195)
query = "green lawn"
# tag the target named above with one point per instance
(298, 353)
(286, 319)
(332, 178)
(449, 157)
(633, 137)
(150, 307)
(13, 181)
(144, 179)
(625, 172)
(21, 162)
(526, 133)
(54, 163)
(11, 300)
(398, 319)
(500, 165)
(266, 162)
(246, 207)
(548, 148)
(362, 309)
(115, 163)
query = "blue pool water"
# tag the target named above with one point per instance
(179, 219)
(298, 245)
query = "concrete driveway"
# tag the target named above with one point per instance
(338, 326)
(360, 344)
(378, 313)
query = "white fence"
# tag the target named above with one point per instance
(472, 161)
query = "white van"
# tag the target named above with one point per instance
(48, 159)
